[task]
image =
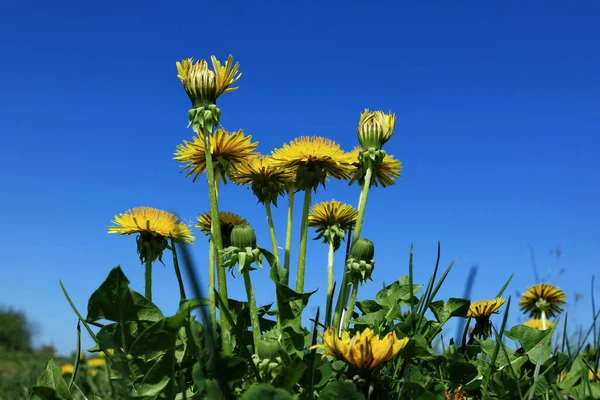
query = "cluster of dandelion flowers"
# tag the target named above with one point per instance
(482, 311)
(228, 221)
(331, 219)
(385, 173)
(228, 151)
(154, 227)
(364, 351)
(313, 158)
(203, 85)
(267, 180)
(542, 300)
(538, 324)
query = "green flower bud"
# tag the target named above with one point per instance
(243, 236)
(268, 349)
(360, 263)
(363, 250)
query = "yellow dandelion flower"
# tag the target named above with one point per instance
(92, 372)
(101, 354)
(481, 311)
(384, 173)
(204, 85)
(267, 180)
(331, 220)
(375, 128)
(537, 324)
(154, 228)
(364, 350)
(67, 369)
(96, 362)
(313, 159)
(227, 149)
(542, 298)
(228, 221)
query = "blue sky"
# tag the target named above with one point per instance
(498, 120)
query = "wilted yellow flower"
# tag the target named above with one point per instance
(481, 311)
(542, 297)
(267, 180)
(313, 159)
(384, 173)
(375, 128)
(228, 221)
(364, 350)
(204, 85)
(227, 149)
(537, 324)
(458, 395)
(67, 369)
(96, 362)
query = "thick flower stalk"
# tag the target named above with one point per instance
(543, 301)
(331, 219)
(154, 227)
(243, 252)
(203, 86)
(312, 159)
(482, 311)
(359, 267)
(364, 351)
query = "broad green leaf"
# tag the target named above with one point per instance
(454, 307)
(51, 385)
(341, 391)
(145, 310)
(368, 306)
(292, 304)
(371, 319)
(156, 339)
(460, 373)
(323, 374)
(535, 342)
(158, 376)
(112, 300)
(264, 391)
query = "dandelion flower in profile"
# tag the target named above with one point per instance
(96, 362)
(538, 324)
(267, 180)
(481, 311)
(385, 173)
(204, 85)
(331, 220)
(364, 351)
(153, 227)
(542, 300)
(313, 159)
(228, 221)
(227, 149)
(67, 369)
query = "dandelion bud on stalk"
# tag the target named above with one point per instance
(360, 264)
(243, 236)
(374, 130)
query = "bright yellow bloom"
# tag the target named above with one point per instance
(364, 351)
(109, 351)
(204, 85)
(227, 149)
(330, 213)
(537, 324)
(375, 128)
(384, 173)
(147, 220)
(267, 180)
(96, 362)
(228, 221)
(485, 308)
(67, 369)
(313, 159)
(542, 297)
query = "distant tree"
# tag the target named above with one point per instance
(15, 330)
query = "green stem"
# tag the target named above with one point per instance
(178, 271)
(148, 280)
(303, 241)
(329, 283)
(272, 231)
(218, 241)
(212, 307)
(352, 304)
(288, 238)
(544, 324)
(253, 311)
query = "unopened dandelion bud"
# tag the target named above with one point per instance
(363, 250)
(243, 236)
(268, 349)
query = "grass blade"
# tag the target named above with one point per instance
(499, 343)
(505, 285)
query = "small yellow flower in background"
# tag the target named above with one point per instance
(96, 362)
(313, 159)
(384, 173)
(67, 369)
(154, 227)
(364, 350)
(101, 354)
(204, 85)
(537, 324)
(593, 376)
(267, 180)
(482, 311)
(542, 298)
(375, 128)
(227, 149)
(228, 221)
(331, 219)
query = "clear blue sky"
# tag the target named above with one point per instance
(498, 121)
